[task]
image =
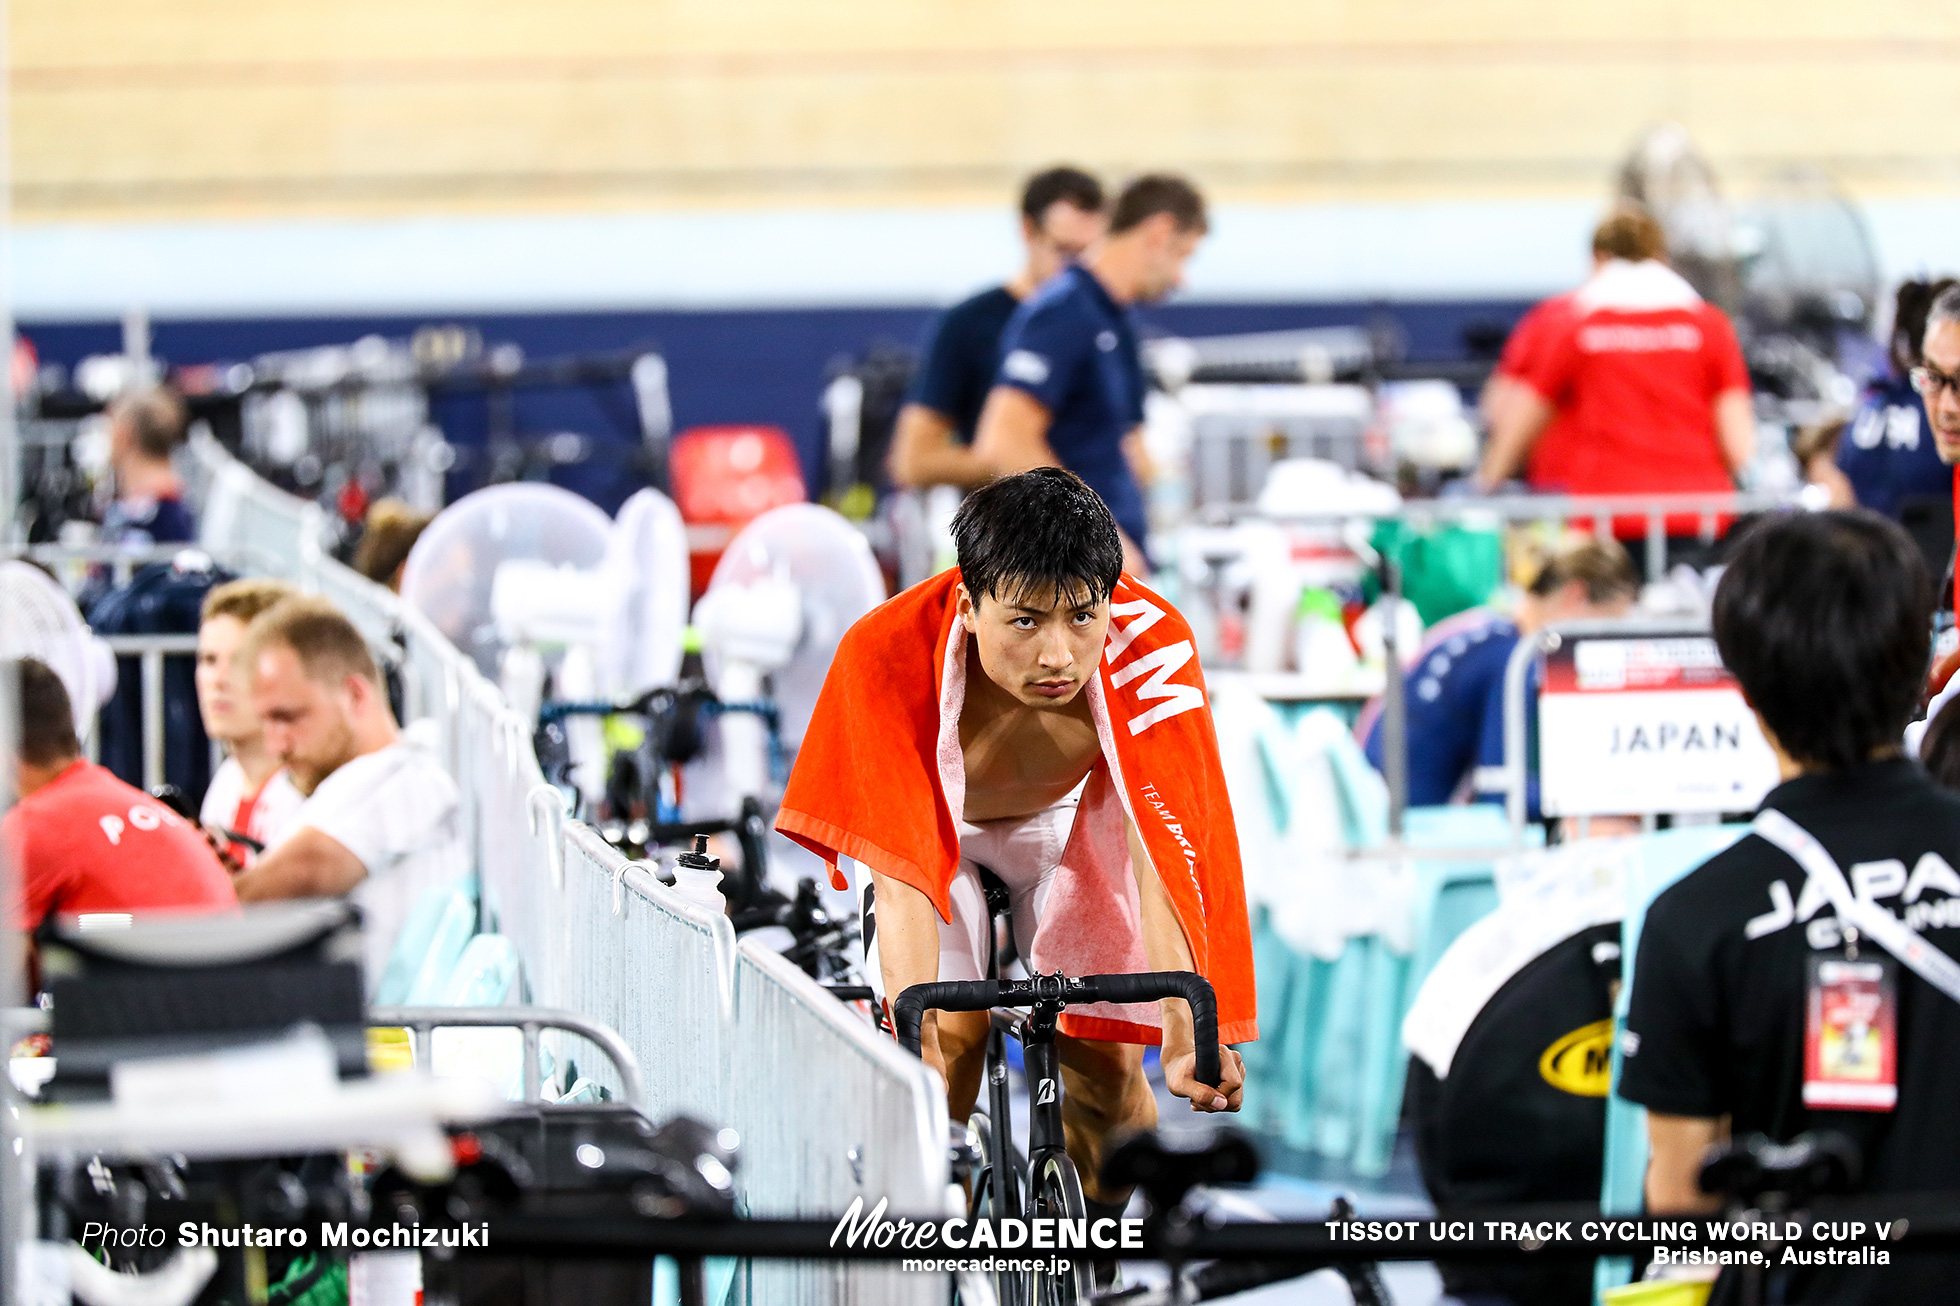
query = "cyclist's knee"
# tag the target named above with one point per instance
(962, 1034)
(962, 1039)
(1104, 1081)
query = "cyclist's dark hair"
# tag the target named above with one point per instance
(1910, 307)
(1826, 619)
(1159, 192)
(1039, 532)
(1063, 184)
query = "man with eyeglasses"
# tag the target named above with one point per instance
(1937, 379)
(1886, 453)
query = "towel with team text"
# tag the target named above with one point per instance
(879, 778)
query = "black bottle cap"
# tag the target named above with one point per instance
(698, 859)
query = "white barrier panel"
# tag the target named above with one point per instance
(874, 1126)
(621, 948)
(827, 1109)
(248, 522)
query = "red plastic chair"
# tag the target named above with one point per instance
(724, 477)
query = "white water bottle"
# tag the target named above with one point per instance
(697, 878)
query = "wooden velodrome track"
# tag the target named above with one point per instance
(128, 109)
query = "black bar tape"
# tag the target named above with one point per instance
(909, 1012)
(1154, 986)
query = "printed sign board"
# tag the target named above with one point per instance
(1639, 724)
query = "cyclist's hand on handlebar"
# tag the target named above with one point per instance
(1179, 1065)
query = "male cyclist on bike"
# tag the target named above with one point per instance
(1039, 714)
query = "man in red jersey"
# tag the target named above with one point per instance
(1625, 233)
(83, 841)
(1649, 379)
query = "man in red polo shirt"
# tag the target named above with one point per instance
(1646, 376)
(1548, 465)
(84, 841)
(1625, 233)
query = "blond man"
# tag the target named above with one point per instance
(251, 801)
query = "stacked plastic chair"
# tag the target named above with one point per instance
(1340, 945)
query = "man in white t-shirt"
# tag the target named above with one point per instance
(380, 822)
(250, 794)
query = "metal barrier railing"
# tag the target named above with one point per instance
(150, 651)
(1653, 510)
(828, 1109)
(72, 564)
(531, 1022)
(811, 1145)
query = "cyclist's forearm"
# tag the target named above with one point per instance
(908, 935)
(1164, 944)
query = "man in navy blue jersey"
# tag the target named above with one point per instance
(145, 428)
(1061, 216)
(1070, 388)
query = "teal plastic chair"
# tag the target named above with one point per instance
(434, 913)
(1362, 791)
(484, 976)
(1328, 1075)
(1283, 1068)
(455, 924)
(1451, 896)
(1298, 1077)
(1664, 858)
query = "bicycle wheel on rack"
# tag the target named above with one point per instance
(1057, 1195)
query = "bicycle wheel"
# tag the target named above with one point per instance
(1057, 1195)
(979, 1204)
(973, 1287)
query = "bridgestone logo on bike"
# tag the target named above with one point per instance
(873, 1232)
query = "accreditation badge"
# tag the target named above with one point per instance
(1851, 1033)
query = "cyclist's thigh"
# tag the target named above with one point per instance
(963, 940)
(1030, 873)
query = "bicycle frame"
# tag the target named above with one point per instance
(1041, 1063)
(1052, 1183)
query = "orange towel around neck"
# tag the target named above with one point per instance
(880, 778)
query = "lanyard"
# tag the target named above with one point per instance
(1870, 919)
